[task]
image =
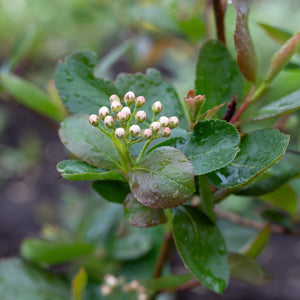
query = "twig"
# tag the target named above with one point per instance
(219, 13)
(185, 286)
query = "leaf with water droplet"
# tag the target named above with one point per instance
(201, 247)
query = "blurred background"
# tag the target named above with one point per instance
(128, 36)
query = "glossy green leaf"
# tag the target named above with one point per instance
(247, 269)
(42, 251)
(201, 247)
(79, 283)
(164, 178)
(277, 34)
(279, 218)
(259, 150)
(207, 198)
(88, 142)
(80, 91)
(283, 106)
(152, 87)
(31, 96)
(79, 170)
(246, 57)
(142, 216)
(20, 280)
(110, 190)
(254, 247)
(168, 282)
(284, 197)
(212, 145)
(217, 76)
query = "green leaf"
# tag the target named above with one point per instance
(113, 191)
(79, 170)
(32, 97)
(79, 283)
(207, 198)
(279, 218)
(20, 280)
(88, 142)
(258, 244)
(212, 145)
(169, 282)
(80, 91)
(246, 57)
(164, 178)
(278, 34)
(283, 106)
(142, 216)
(153, 89)
(247, 269)
(284, 197)
(259, 150)
(49, 252)
(201, 247)
(217, 76)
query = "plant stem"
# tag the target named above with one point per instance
(143, 150)
(219, 13)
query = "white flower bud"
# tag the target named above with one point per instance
(166, 132)
(111, 280)
(164, 121)
(113, 98)
(94, 120)
(129, 98)
(157, 107)
(116, 106)
(127, 111)
(142, 296)
(134, 130)
(105, 290)
(173, 122)
(140, 101)
(120, 133)
(103, 112)
(109, 121)
(147, 133)
(134, 285)
(141, 116)
(155, 126)
(122, 116)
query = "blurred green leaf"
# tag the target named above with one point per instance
(285, 105)
(142, 216)
(20, 280)
(79, 283)
(201, 247)
(78, 170)
(247, 269)
(32, 97)
(217, 76)
(49, 252)
(110, 190)
(277, 34)
(279, 218)
(258, 244)
(246, 56)
(259, 150)
(88, 142)
(164, 178)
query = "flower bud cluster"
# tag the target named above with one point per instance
(118, 118)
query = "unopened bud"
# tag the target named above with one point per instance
(109, 278)
(94, 120)
(140, 101)
(147, 133)
(105, 290)
(134, 130)
(155, 126)
(113, 98)
(109, 121)
(142, 296)
(166, 132)
(120, 133)
(127, 111)
(173, 122)
(129, 98)
(141, 116)
(103, 112)
(157, 107)
(164, 121)
(116, 106)
(122, 116)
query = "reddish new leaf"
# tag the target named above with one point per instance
(246, 55)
